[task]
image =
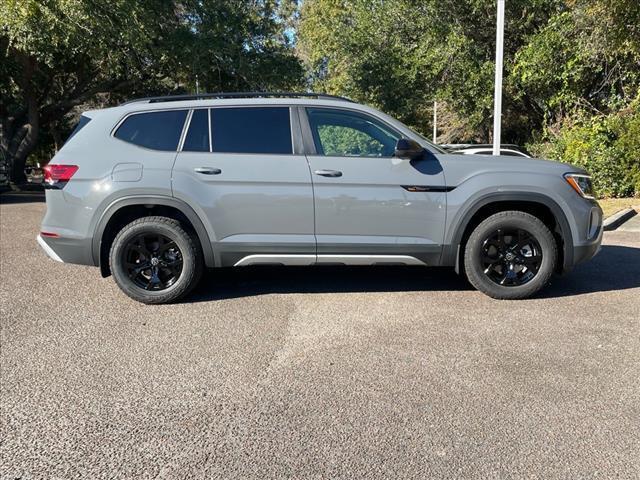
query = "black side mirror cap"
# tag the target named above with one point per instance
(408, 149)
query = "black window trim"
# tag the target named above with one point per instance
(130, 114)
(294, 128)
(310, 146)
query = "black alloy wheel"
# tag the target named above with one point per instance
(511, 256)
(153, 261)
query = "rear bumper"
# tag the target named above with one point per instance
(67, 250)
(47, 249)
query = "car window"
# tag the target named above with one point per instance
(258, 130)
(350, 134)
(81, 124)
(155, 130)
(197, 139)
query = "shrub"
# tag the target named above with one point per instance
(607, 146)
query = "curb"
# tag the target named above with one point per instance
(617, 219)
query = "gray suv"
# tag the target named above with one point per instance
(155, 190)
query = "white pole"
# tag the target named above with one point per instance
(497, 95)
(435, 122)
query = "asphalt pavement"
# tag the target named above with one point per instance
(316, 372)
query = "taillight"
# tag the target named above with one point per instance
(57, 176)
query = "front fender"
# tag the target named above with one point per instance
(461, 216)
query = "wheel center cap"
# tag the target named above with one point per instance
(509, 256)
(155, 261)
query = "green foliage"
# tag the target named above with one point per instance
(561, 57)
(607, 146)
(401, 55)
(337, 140)
(59, 54)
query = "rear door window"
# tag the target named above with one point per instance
(154, 130)
(254, 130)
(197, 139)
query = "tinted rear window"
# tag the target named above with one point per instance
(155, 130)
(197, 139)
(81, 124)
(251, 130)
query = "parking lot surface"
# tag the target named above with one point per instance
(316, 372)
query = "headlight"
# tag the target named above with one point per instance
(581, 184)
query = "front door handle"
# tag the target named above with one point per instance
(208, 170)
(328, 173)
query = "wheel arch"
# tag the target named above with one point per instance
(539, 205)
(124, 210)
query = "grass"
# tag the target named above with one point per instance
(614, 205)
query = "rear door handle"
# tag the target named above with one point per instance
(328, 173)
(208, 170)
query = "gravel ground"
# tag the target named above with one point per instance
(316, 372)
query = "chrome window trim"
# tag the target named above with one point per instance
(185, 129)
(209, 126)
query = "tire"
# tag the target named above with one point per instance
(510, 255)
(178, 260)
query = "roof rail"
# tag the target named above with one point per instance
(221, 95)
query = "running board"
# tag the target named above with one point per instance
(302, 260)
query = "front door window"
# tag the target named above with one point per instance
(340, 133)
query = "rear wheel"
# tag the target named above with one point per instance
(154, 260)
(510, 255)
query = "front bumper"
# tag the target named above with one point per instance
(586, 252)
(593, 242)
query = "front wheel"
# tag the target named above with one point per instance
(510, 255)
(154, 260)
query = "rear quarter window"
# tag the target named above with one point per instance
(154, 130)
(81, 124)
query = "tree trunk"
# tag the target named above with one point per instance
(21, 144)
(21, 139)
(16, 165)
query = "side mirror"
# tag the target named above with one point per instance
(408, 149)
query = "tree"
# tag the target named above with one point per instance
(401, 55)
(58, 54)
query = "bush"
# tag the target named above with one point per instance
(607, 146)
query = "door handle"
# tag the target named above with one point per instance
(208, 170)
(328, 173)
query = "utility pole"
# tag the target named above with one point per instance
(497, 95)
(435, 122)
(197, 85)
